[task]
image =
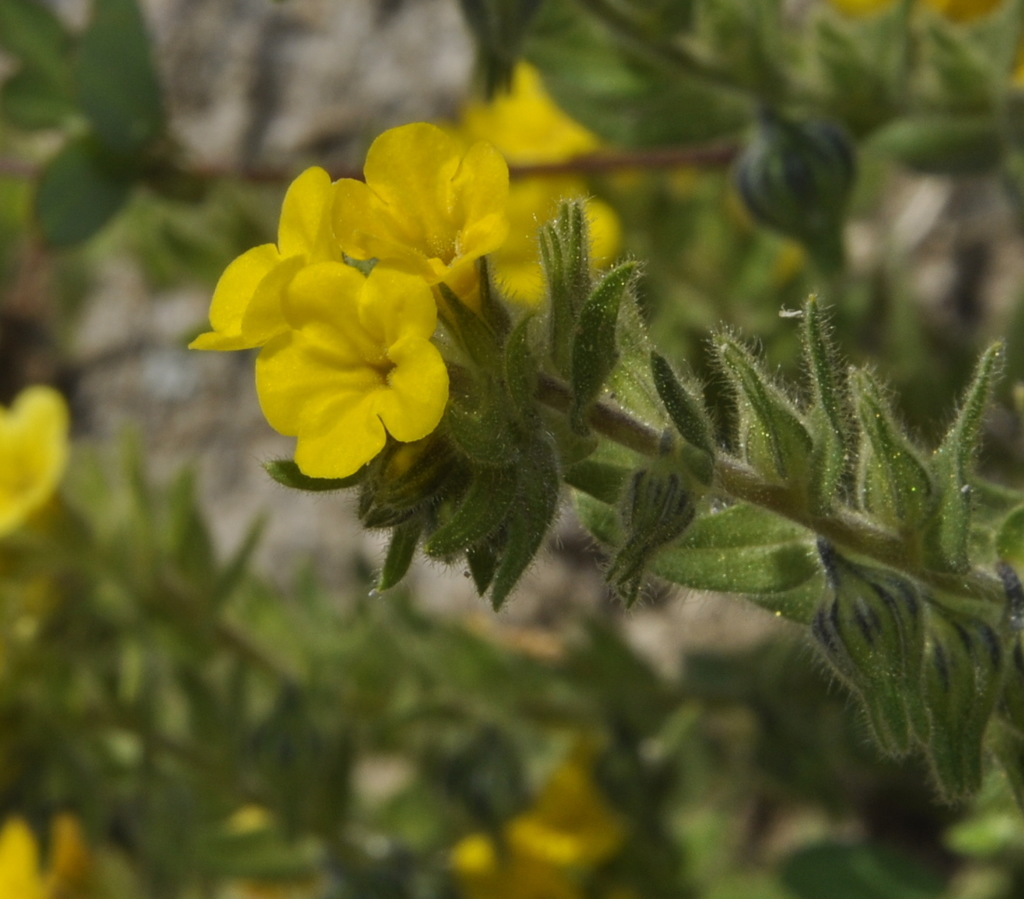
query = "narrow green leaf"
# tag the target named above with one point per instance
(117, 84)
(286, 472)
(893, 484)
(594, 347)
(684, 406)
(401, 551)
(564, 248)
(947, 537)
(479, 513)
(772, 435)
(942, 144)
(533, 512)
(829, 418)
(79, 191)
(521, 368)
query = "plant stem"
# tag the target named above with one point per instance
(738, 481)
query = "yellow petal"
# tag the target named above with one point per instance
(19, 862)
(418, 394)
(71, 864)
(525, 124)
(861, 7)
(395, 305)
(231, 298)
(342, 441)
(305, 215)
(33, 453)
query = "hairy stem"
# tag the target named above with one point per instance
(738, 481)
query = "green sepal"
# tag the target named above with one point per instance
(480, 511)
(1007, 746)
(948, 532)
(483, 562)
(604, 481)
(871, 627)
(521, 369)
(565, 257)
(492, 310)
(401, 551)
(594, 347)
(772, 436)
(893, 483)
(476, 420)
(1010, 538)
(287, 473)
(407, 477)
(829, 417)
(686, 410)
(474, 336)
(536, 502)
(655, 509)
(962, 673)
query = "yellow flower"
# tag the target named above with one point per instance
(955, 10)
(963, 10)
(428, 207)
(33, 453)
(528, 128)
(21, 875)
(861, 7)
(525, 124)
(569, 829)
(355, 365)
(246, 307)
(570, 824)
(485, 873)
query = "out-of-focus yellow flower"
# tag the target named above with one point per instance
(246, 307)
(428, 207)
(860, 7)
(963, 10)
(71, 863)
(570, 824)
(528, 128)
(21, 875)
(955, 10)
(485, 873)
(570, 828)
(525, 124)
(33, 453)
(355, 365)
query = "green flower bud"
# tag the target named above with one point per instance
(406, 478)
(796, 177)
(565, 258)
(871, 627)
(962, 673)
(655, 510)
(1012, 700)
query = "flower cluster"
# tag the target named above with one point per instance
(33, 454)
(347, 358)
(529, 129)
(547, 850)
